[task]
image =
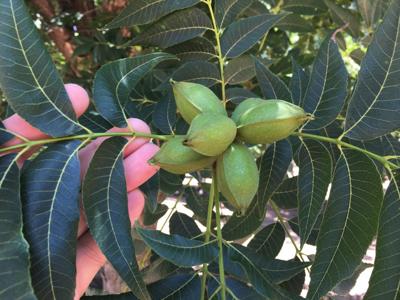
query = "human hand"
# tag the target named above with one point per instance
(89, 258)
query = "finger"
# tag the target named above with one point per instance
(136, 166)
(89, 258)
(86, 154)
(79, 100)
(137, 171)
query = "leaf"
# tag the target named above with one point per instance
(375, 105)
(385, 278)
(183, 225)
(141, 12)
(198, 48)
(294, 23)
(349, 224)
(50, 202)
(268, 241)
(236, 94)
(273, 167)
(372, 10)
(201, 72)
(241, 35)
(240, 289)
(106, 207)
(305, 7)
(91, 119)
(15, 280)
(115, 81)
(177, 249)
(180, 286)
(327, 88)
(151, 190)
(343, 16)
(315, 165)
(239, 70)
(5, 135)
(197, 203)
(164, 115)
(299, 82)
(226, 11)
(28, 78)
(151, 217)
(286, 195)
(272, 87)
(176, 28)
(261, 281)
(295, 284)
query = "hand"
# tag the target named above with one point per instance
(89, 258)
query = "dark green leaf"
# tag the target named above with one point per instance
(357, 55)
(295, 284)
(294, 23)
(305, 7)
(183, 225)
(372, 10)
(239, 70)
(385, 278)
(198, 48)
(299, 82)
(116, 80)
(198, 203)
(28, 77)
(15, 281)
(327, 89)
(177, 28)
(181, 286)
(260, 280)
(226, 11)
(201, 72)
(170, 183)
(342, 16)
(151, 217)
(273, 167)
(268, 241)
(241, 35)
(271, 85)
(177, 249)
(164, 115)
(5, 136)
(151, 189)
(240, 289)
(140, 12)
(106, 207)
(315, 164)
(91, 119)
(237, 95)
(351, 215)
(50, 198)
(375, 106)
(286, 195)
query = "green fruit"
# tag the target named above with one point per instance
(210, 134)
(245, 106)
(177, 158)
(270, 121)
(237, 176)
(193, 99)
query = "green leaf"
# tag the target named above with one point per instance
(183, 225)
(236, 94)
(375, 106)
(106, 207)
(271, 85)
(273, 167)
(305, 7)
(164, 115)
(50, 202)
(198, 48)
(177, 249)
(180, 286)
(201, 72)
(115, 81)
(259, 279)
(139, 12)
(327, 88)
(268, 241)
(315, 165)
(385, 278)
(226, 11)
(349, 224)
(197, 202)
(372, 10)
(295, 284)
(241, 35)
(343, 16)
(92, 120)
(5, 135)
(28, 77)
(286, 195)
(294, 23)
(240, 289)
(298, 83)
(15, 280)
(239, 70)
(176, 28)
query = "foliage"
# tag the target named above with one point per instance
(338, 60)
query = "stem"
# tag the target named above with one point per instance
(220, 240)
(207, 238)
(385, 162)
(87, 136)
(221, 59)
